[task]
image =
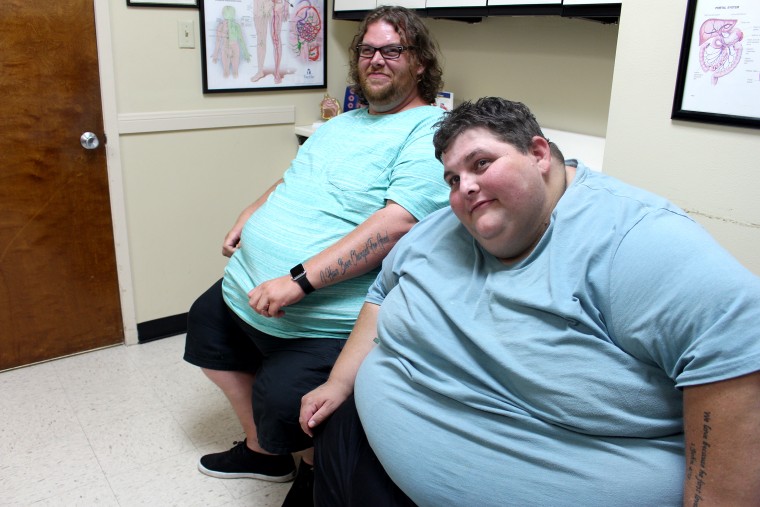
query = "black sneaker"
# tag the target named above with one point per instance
(301, 493)
(241, 462)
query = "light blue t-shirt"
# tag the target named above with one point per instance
(342, 174)
(554, 381)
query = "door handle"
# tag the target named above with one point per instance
(89, 141)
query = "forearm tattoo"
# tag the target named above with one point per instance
(698, 460)
(344, 264)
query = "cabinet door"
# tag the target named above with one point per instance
(456, 3)
(524, 2)
(590, 2)
(409, 4)
(354, 5)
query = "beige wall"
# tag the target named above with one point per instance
(183, 190)
(562, 68)
(711, 171)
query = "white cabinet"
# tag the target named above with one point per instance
(524, 2)
(590, 2)
(456, 3)
(606, 11)
(409, 4)
(368, 5)
(354, 5)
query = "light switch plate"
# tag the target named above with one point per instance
(186, 33)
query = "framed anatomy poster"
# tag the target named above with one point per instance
(163, 3)
(255, 45)
(719, 70)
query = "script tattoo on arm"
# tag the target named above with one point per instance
(356, 257)
(700, 466)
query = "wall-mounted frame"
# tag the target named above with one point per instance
(255, 45)
(163, 3)
(718, 74)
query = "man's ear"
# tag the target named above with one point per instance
(540, 150)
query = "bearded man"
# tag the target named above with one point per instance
(303, 255)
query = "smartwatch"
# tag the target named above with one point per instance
(298, 274)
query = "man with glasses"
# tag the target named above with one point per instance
(304, 254)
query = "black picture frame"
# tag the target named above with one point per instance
(184, 4)
(715, 83)
(230, 52)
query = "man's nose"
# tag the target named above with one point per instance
(377, 59)
(468, 184)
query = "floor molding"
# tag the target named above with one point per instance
(161, 328)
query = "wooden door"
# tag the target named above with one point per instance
(58, 285)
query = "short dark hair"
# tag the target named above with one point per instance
(414, 33)
(510, 121)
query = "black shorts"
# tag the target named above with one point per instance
(346, 470)
(285, 368)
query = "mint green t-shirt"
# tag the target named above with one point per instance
(342, 174)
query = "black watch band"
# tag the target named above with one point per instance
(298, 274)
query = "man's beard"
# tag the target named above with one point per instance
(376, 95)
(392, 92)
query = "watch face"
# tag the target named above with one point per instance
(296, 270)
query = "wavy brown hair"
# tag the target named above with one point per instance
(414, 33)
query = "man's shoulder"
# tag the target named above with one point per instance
(418, 120)
(431, 113)
(623, 193)
(436, 223)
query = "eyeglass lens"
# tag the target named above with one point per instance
(387, 52)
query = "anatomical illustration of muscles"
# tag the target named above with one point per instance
(720, 47)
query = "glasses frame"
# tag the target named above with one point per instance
(400, 47)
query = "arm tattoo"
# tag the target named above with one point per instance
(343, 264)
(701, 465)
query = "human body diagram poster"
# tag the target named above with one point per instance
(722, 71)
(263, 44)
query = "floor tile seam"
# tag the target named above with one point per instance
(86, 430)
(58, 492)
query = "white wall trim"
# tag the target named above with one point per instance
(113, 163)
(163, 121)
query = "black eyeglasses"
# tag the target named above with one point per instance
(390, 52)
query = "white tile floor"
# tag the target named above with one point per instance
(123, 426)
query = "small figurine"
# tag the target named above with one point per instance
(329, 107)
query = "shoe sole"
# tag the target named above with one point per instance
(236, 475)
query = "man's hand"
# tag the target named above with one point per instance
(232, 241)
(319, 404)
(269, 298)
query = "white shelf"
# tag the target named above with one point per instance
(307, 130)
